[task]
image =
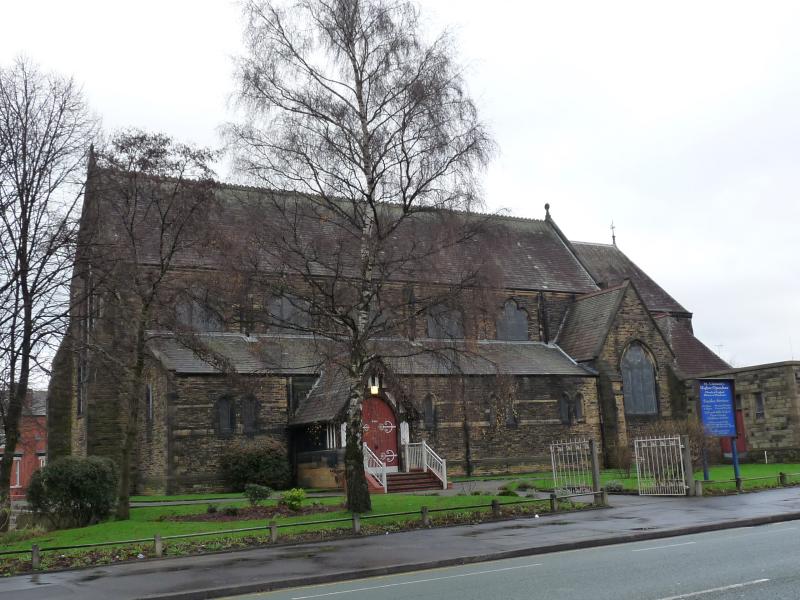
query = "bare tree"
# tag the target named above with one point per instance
(147, 198)
(45, 132)
(371, 128)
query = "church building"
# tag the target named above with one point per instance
(577, 342)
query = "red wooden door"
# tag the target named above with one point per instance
(380, 430)
(741, 441)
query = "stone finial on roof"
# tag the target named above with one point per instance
(547, 211)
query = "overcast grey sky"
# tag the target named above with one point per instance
(679, 121)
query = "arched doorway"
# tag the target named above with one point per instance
(380, 431)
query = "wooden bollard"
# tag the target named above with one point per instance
(495, 509)
(36, 558)
(273, 531)
(158, 545)
(553, 502)
(426, 520)
(782, 478)
(356, 523)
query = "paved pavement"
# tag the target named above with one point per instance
(276, 567)
(752, 563)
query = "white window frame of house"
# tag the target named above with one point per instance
(330, 441)
(42, 461)
(343, 435)
(15, 472)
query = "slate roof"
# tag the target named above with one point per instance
(587, 323)
(214, 353)
(610, 267)
(517, 253)
(693, 357)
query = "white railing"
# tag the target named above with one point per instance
(375, 467)
(421, 456)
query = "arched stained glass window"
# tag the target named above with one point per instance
(445, 322)
(639, 381)
(512, 323)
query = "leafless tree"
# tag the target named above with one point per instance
(146, 202)
(369, 125)
(45, 131)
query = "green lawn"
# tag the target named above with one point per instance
(720, 475)
(145, 522)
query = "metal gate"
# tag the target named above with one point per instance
(659, 466)
(572, 466)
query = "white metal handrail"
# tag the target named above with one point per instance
(375, 467)
(422, 456)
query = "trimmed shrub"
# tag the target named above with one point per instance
(259, 463)
(615, 486)
(74, 491)
(211, 509)
(293, 499)
(256, 493)
(230, 511)
(523, 486)
(507, 493)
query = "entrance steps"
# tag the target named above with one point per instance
(404, 483)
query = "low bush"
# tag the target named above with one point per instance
(258, 463)
(524, 485)
(615, 486)
(211, 509)
(507, 493)
(256, 493)
(293, 499)
(230, 511)
(74, 491)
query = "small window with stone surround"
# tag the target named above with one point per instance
(759, 406)
(225, 416)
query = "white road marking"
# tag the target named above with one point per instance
(388, 585)
(660, 547)
(724, 588)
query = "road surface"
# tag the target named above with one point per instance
(750, 563)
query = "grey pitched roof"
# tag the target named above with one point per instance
(517, 253)
(587, 323)
(693, 357)
(610, 267)
(212, 353)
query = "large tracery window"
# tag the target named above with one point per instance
(512, 323)
(639, 381)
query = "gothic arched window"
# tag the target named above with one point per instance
(288, 314)
(249, 415)
(445, 322)
(512, 323)
(429, 412)
(225, 416)
(639, 381)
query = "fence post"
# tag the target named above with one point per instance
(158, 545)
(273, 531)
(688, 471)
(601, 498)
(356, 523)
(595, 466)
(407, 465)
(426, 520)
(495, 509)
(553, 502)
(782, 478)
(739, 486)
(35, 556)
(424, 449)
(698, 487)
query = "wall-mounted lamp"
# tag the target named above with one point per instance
(374, 385)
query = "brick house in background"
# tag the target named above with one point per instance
(571, 342)
(31, 451)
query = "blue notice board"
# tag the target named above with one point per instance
(716, 407)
